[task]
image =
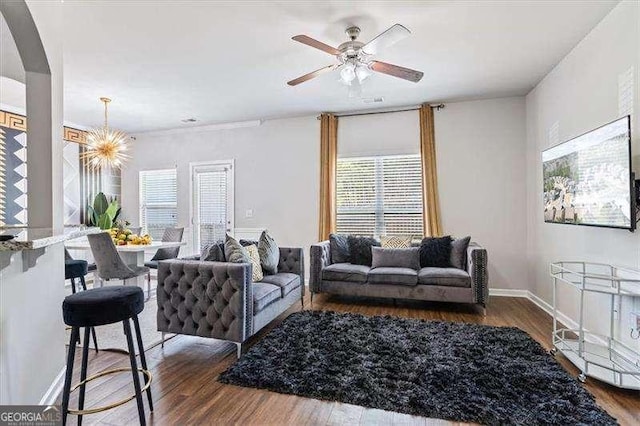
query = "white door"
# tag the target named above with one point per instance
(212, 196)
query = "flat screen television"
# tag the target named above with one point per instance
(588, 180)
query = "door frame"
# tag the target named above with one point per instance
(193, 166)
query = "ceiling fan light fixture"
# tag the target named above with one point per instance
(348, 73)
(362, 72)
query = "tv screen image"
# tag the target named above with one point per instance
(588, 180)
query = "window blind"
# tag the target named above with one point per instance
(379, 195)
(212, 205)
(158, 201)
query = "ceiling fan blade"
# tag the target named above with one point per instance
(391, 36)
(311, 75)
(396, 71)
(317, 44)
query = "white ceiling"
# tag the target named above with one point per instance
(229, 61)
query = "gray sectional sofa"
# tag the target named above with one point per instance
(469, 285)
(218, 299)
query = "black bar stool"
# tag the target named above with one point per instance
(78, 269)
(101, 306)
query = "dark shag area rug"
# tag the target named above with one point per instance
(454, 371)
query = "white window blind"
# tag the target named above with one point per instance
(379, 195)
(158, 201)
(212, 204)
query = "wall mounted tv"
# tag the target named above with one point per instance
(588, 180)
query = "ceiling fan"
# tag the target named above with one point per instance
(355, 60)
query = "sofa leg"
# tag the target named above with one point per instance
(311, 298)
(483, 310)
(162, 344)
(238, 350)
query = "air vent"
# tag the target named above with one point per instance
(189, 120)
(373, 100)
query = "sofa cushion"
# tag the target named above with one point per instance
(285, 280)
(450, 277)
(263, 295)
(339, 248)
(435, 252)
(360, 249)
(395, 257)
(346, 272)
(400, 276)
(459, 252)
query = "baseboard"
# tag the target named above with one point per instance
(50, 396)
(539, 302)
(508, 292)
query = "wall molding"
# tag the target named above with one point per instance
(51, 395)
(204, 128)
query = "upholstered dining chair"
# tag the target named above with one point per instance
(136, 230)
(171, 235)
(110, 264)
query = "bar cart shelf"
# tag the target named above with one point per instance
(603, 357)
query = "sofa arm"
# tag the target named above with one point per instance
(320, 257)
(477, 268)
(207, 299)
(292, 261)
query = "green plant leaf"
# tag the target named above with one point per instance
(105, 222)
(92, 217)
(100, 204)
(117, 214)
(112, 210)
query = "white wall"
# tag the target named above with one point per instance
(276, 174)
(580, 94)
(480, 147)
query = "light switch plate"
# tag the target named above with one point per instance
(248, 213)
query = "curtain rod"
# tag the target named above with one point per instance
(438, 107)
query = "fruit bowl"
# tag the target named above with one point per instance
(124, 237)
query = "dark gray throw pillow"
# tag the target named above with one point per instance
(360, 249)
(339, 247)
(459, 252)
(234, 252)
(269, 253)
(213, 252)
(435, 252)
(395, 257)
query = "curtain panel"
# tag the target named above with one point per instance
(430, 199)
(328, 166)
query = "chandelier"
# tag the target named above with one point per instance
(105, 147)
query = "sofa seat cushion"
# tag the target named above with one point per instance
(285, 280)
(393, 275)
(450, 277)
(263, 295)
(346, 272)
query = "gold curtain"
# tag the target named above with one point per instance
(430, 200)
(328, 165)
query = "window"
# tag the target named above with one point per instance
(158, 201)
(379, 195)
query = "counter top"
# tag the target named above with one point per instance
(36, 238)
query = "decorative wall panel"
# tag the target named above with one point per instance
(13, 169)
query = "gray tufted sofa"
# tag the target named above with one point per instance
(218, 299)
(433, 284)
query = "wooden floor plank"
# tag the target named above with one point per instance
(186, 391)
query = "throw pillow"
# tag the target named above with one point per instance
(234, 252)
(246, 243)
(269, 253)
(360, 249)
(395, 242)
(435, 252)
(395, 257)
(339, 246)
(459, 252)
(256, 269)
(213, 252)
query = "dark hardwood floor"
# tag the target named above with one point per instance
(185, 389)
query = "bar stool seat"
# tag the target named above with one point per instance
(93, 308)
(75, 268)
(105, 305)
